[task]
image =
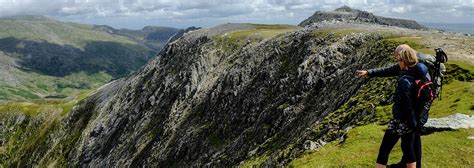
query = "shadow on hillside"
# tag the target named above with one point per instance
(430, 130)
(117, 59)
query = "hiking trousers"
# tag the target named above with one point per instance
(417, 147)
(390, 139)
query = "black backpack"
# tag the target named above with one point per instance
(436, 68)
(427, 90)
(424, 97)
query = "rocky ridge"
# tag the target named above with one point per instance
(346, 13)
(199, 103)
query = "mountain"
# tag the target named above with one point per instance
(215, 97)
(153, 37)
(40, 55)
(346, 13)
(236, 95)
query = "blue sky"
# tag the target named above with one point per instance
(205, 13)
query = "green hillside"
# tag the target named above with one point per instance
(154, 37)
(52, 31)
(42, 57)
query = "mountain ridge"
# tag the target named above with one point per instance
(232, 95)
(209, 104)
(346, 13)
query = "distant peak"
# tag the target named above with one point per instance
(346, 8)
(345, 13)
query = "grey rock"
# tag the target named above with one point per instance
(454, 121)
(20, 119)
(348, 14)
(311, 145)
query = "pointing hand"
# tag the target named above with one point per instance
(362, 73)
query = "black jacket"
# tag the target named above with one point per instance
(404, 97)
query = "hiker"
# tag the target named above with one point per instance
(404, 123)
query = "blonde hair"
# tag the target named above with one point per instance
(408, 56)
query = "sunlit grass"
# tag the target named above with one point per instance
(35, 107)
(457, 97)
(440, 149)
(74, 34)
(233, 40)
(338, 32)
(37, 86)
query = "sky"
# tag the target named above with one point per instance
(136, 14)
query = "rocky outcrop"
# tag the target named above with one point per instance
(181, 33)
(454, 121)
(346, 13)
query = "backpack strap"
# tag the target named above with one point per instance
(427, 84)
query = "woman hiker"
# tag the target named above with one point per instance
(403, 124)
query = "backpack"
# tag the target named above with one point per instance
(427, 90)
(424, 97)
(436, 68)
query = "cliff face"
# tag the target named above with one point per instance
(212, 99)
(348, 14)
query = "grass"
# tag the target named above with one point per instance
(457, 97)
(463, 65)
(236, 39)
(56, 32)
(36, 86)
(254, 162)
(412, 41)
(338, 32)
(42, 118)
(35, 107)
(261, 31)
(440, 149)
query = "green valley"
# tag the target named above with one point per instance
(45, 58)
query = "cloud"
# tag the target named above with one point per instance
(208, 12)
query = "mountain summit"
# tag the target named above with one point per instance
(346, 13)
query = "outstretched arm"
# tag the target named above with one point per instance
(392, 70)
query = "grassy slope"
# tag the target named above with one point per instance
(17, 84)
(36, 86)
(56, 32)
(236, 39)
(441, 149)
(41, 117)
(31, 85)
